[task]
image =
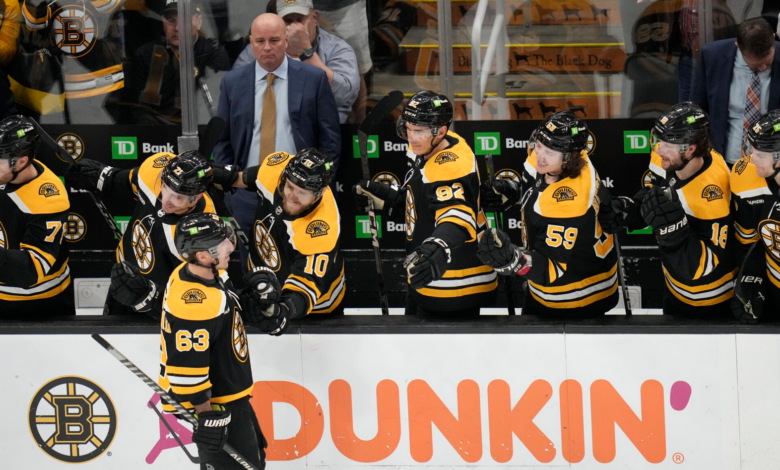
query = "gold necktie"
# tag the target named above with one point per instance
(268, 120)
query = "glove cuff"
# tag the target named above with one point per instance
(442, 244)
(105, 179)
(249, 177)
(146, 303)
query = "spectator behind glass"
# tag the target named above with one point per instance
(154, 84)
(733, 84)
(309, 43)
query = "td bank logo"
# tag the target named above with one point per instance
(487, 143)
(636, 141)
(372, 146)
(363, 226)
(72, 419)
(124, 148)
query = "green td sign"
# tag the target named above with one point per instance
(372, 146)
(363, 226)
(487, 143)
(636, 141)
(124, 148)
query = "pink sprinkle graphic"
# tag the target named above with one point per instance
(679, 396)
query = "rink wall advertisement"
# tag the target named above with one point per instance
(416, 401)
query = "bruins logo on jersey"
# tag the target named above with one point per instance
(75, 228)
(266, 247)
(48, 190)
(740, 166)
(387, 178)
(712, 192)
(194, 296)
(72, 419)
(142, 247)
(590, 146)
(3, 240)
(509, 174)
(277, 158)
(317, 228)
(647, 179)
(162, 160)
(770, 234)
(240, 345)
(445, 157)
(74, 30)
(411, 215)
(72, 144)
(564, 193)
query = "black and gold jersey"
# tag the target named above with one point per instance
(302, 250)
(32, 220)
(757, 219)
(442, 201)
(700, 272)
(574, 261)
(149, 238)
(204, 354)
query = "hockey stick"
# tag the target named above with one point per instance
(193, 458)
(63, 154)
(164, 395)
(621, 279)
(510, 301)
(384, 107)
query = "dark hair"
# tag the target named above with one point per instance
(755, 37)
(573, 167)
(703, 145)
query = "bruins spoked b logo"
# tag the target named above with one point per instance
(770, 235)
(508, 174)
(74, 30)
(142, 247)
(266, 247)
(647, 179)
(240, 345)
(72, 144)
(72, 419)
(411, 215)
(387, 178)
(3, 240)
(75, 228)
(591, 145)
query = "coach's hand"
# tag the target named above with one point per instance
(751, 289)
(663, 211)
(428, 262)
(212, 431)
(129, 287)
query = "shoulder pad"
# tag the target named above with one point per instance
(271, 170)
(656, 165)
(569, 197)
(149, 174)
(745, 182)
(709, 194)
(191, 300)
(319, 231)
(451, 163)
(43, 195)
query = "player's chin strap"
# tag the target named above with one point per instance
(433, 137)
(15, 171)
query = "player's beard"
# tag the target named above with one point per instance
(677, 166)
(292, 209)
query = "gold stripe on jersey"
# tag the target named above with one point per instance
(451, 163)
(48, 286)
(271, 169)
(745, 181)
(318, 231)
(744, 235)
(705, 295)
(459, 215)
(226, 399)
(530, 164)
(193, 301)
(569, 197)
(707, 263)
(773, 269)
(48, 259)
(44, 103)
(93, 84)
(708, 196)
(189, 390)
(656, 165)
(43, 195)
(325, 304)
(555, 270)
(576, 294)
(456, 283)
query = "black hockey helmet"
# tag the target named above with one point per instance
(563, 132)
(201, 232)
(308, 169)
(764, 135)
(18, 138)
(684, 123)
(189, 173)
(426, 108)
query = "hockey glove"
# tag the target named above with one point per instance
(262, 291)
(502, 195)
(427, 263)
(497, 251)
(751, 290)
(618, 213)
(224, 176)
(663, 211)
(212, 431)
(384, 197)
(90, 175)
(129, 287)
(273, 319)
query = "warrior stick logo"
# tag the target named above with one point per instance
(72, 419)
(445, 157)
(75, 228)
(564, 193)
(266, 247)
(72, 144)
(317, 228)
(240, 345)
(277, 158)
(194, 296)
(74, 30)
(48, 190)
(712, 192)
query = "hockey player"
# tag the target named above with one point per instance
(443, 215)
(34, 273)
(570, 263)
(204, 354)
(688, 209)
(296, 234)
(755, 183)
(166, 187)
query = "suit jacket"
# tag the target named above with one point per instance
(313, 113)
(712, 81)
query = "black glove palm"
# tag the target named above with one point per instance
(129, 287)
(384, 196)
(497, 251)
(751, 289)
(618, 213)
(212, 431)
(502, 195)
(224, 176)
(428, 262)
(662, 211)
